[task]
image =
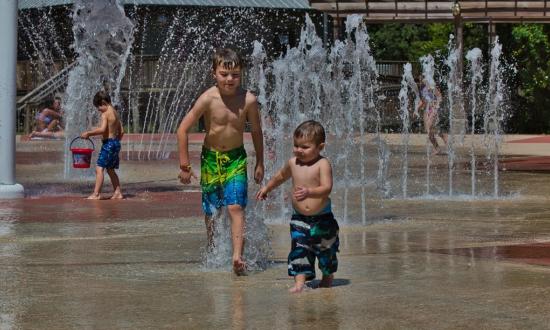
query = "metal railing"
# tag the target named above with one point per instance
(47, 88)
(27, 104)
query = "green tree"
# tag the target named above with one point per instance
(529, 50)
(393, 41)
(436, 40)
(408, 42)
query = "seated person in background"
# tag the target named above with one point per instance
(48, 121)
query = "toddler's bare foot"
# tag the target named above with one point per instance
(326, 281)
(239, 267)
(117, 196)
(297, 288)
(94, 196)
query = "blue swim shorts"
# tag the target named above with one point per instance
(108, 156)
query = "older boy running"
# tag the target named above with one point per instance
(226, 108)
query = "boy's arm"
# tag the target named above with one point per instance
(253, 116)
(183, 147)
(102, 128)
(120, 130)
(281, 176)
(325, 183)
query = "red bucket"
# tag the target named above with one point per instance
(82, 157)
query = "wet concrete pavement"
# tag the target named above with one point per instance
(69, 263)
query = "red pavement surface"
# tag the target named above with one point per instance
(31, 157)
(535, 254)
(537, 139)
(534, 163)
(39, 157)
(193, 137)
(144, 201)
(144, 206)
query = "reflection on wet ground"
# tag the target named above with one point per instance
(418, 263)
(536, 254)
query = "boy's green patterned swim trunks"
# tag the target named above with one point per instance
(223, 178)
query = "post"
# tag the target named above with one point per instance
(325, 29)
(8, 54)
(491, 29)
(27, 122)
(459, 125)
(459, 31)
(336, 26)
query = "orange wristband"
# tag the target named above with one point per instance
(185, 168)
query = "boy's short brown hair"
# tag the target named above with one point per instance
(311, 130)
(227, 58)
(100, 98)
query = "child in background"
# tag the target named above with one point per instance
(430, 100)
(112, 131)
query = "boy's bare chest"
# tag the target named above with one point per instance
(222, 113)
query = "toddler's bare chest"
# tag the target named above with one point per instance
(306, 176)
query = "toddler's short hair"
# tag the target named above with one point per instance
(100, 98)
(227, 58)
(311, 130)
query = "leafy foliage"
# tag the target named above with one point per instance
(531, 51)
(408, 42)
(393, 41)
(528, 48)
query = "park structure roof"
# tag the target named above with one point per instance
(283, 4)
(422, 11)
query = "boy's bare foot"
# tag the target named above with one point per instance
(297, 288)
(117, 196)
(94, 196)
(239, 267)
(326, 281)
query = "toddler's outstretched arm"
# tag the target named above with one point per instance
(282, 175)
